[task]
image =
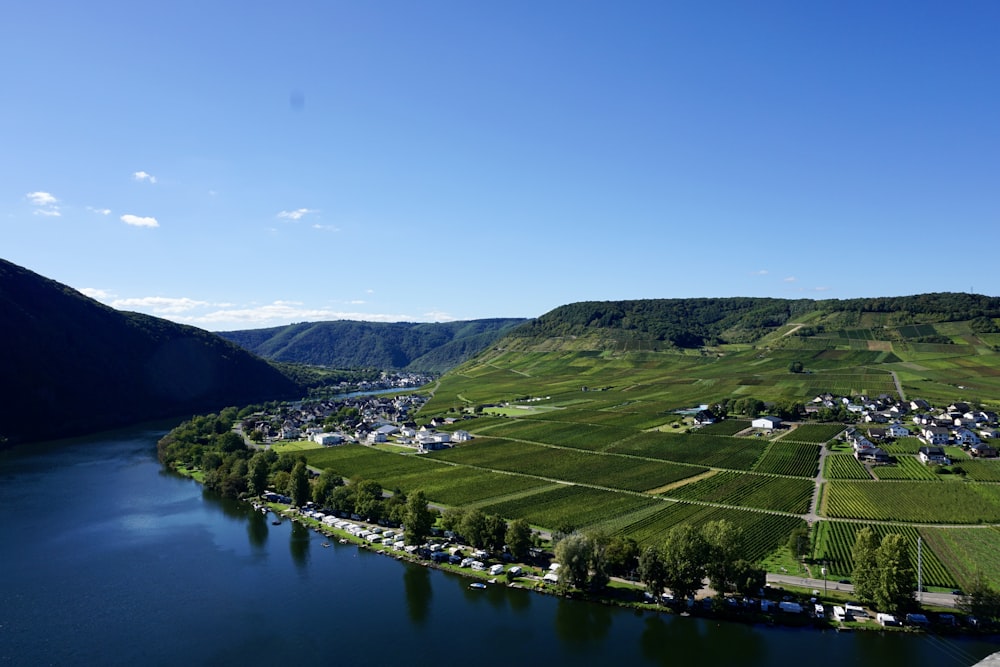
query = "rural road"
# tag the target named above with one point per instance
(934, 599)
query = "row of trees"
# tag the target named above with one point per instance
(588, 561)
(883, 574)
(689, 554)
(489, 531)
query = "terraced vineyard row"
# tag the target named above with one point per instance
(781, 494)
(762, 532)
(906, 467)
(913, 502)
(450, 485)
(570, 505)
(789, 458)
(814, 433)
(725, 427)
(580, 436)
(579, 466)
(844, 466)
(834, 542)
(982, 470)
(717, 451)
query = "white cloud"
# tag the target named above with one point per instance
(356, 302)
(297, 214)
(45, 202)
(143, 176)
(137, 221)
(161, 305)
(439, 317)
(41, 198)
(762, 272)
(98, 294)
(791, 279)
(328, 228)
(102, 211)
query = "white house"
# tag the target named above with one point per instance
(461, 436)
(935, 435)
(933, 455)
(897, 431)
(766, 422)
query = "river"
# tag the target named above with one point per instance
(107, 559)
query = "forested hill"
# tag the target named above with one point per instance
(692, 323)
(72, 365)
(429, 347)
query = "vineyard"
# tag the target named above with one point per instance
(762, 532)
(781, 494)
(834, 542)
(815, 433)
(906, 467)
(913, 502)
(982, 470)
(717, 451)
(569, 505)
(608, 470)
(789, 458)
(844, 466)
(967, 552)
(564, 434)
(725, 427)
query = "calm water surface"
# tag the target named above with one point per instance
(105, 559)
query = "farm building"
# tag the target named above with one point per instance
(766, 422)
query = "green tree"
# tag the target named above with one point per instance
(653, 571)
(896, 576)
(865, 574)
(622, 554)
(684, 556)
(748, 578)
(368, 499)
(798, 542)
(574, 553)
(795, 367)
(324, 487)
(474, 528)
(519, 538)
(980, 600)
(495, 532)
(258, 470)
(419, 518)
(723, 547)
(451, 519)
(298, 484)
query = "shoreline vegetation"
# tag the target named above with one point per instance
(241, 472)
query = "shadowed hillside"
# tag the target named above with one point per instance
(72, 365)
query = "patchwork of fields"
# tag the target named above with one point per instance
(602, 445)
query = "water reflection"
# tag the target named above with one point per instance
(579, 623)
(667, 639)
(298, 543)
(257, 529)
(417, 582)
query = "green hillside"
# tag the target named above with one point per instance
(425, 347)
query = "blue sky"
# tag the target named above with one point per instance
(242, 165)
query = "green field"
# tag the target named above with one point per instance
(816, 433)
(789, 458)
(767, 492)
(915, 502)
(844, 466)
(834, 540)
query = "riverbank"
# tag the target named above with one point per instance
(786, 606)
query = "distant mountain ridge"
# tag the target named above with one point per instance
(426, 347)
(73, 366)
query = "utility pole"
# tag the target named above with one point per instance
(920, 571)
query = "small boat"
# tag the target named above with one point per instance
(343, 541)
(326, 544)
(478, 585)
(276, 522)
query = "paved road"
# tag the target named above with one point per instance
(934, 599)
